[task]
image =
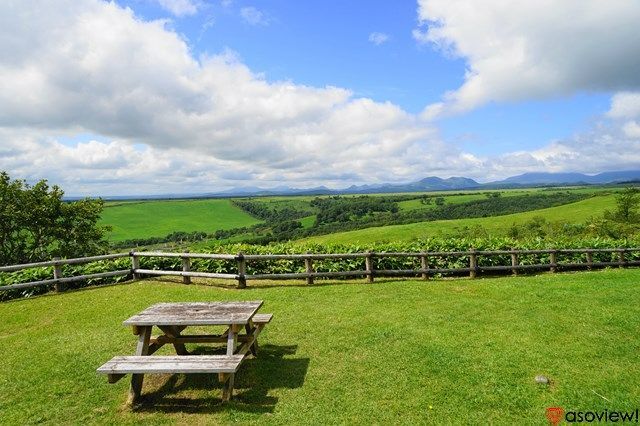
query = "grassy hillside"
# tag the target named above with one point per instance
(575, 212)
(158, 218)
(392, 352)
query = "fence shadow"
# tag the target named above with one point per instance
(272, 369)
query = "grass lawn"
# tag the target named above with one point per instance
(497, 225)
(159, 218)
(443, 351)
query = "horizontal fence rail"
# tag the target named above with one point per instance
(242, 261)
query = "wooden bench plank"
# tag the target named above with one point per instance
(172, 364)
(262, 318)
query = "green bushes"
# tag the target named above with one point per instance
(333, 265)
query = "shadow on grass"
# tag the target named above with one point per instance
(272, 369)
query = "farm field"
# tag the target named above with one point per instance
(496, 225)
(158, 218)
(444, 351)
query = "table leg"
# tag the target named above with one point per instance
(142, 349)
(254, 347)
(174, 331)
(232, 339)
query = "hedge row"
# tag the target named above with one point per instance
(330, 265)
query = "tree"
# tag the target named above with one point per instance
(36, 224)
(627, 203)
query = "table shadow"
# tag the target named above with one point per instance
(272, 369)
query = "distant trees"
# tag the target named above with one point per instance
(36, 224)
(346, 209)
(627, 203)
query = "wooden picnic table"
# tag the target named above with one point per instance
(172, 319)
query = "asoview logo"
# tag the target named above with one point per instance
(556, 414)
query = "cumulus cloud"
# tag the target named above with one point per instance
(180, 7)
(253, 16)
(378, 38)
(167, 121)
(520, 50)
(94, 67)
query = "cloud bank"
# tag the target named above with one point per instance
(161, 119)
(522, 50)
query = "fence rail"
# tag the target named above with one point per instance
(369, 272)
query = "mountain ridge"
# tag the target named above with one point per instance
(430, 183)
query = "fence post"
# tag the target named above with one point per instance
(368, 261)
(553, 261)
(308, 266)
(621, 258)
(514, 262)
(589, 259)
(473, 263)
(186, 267)
(135, 264)
(57, 274)
(424, 265)
(242, 270)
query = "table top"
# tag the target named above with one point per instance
(196, 313)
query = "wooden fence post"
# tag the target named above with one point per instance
(242, 270)
(553, 261)
(621, 258)
(186, 267)
(135, 264)
(57, 274)
(368, 261)
(473, 263)
(424, 264)
(589, 259)
(514, 262)
(308, 266)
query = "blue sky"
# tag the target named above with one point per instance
(327, 44)
(155, 96)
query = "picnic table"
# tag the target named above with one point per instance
(172, 319)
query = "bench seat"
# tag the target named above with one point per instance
(262, 318)
(172, 364)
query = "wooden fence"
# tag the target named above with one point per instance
(368, 261)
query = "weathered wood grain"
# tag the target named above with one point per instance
(196, 313)
(172, 364)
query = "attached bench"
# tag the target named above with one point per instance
(262, 319)
(225, 365)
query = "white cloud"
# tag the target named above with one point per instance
(625, 105)
(180, 7)
(519, 50)
(169, 122)
(254, 16)
(93, 67)
(378, 38)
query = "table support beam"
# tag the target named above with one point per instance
(142, 349)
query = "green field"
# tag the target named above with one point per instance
(497, 225)
(153, 218)
(394, 352)
(159, 218)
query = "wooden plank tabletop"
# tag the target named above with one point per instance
(196, 313)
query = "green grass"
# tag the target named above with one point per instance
(159, 218)
(446, 352)
(496, 225)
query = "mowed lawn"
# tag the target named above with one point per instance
(410, 352)
(159, 218)
(497, 225)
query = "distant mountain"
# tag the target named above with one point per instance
(570, 178)
(431, 183)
